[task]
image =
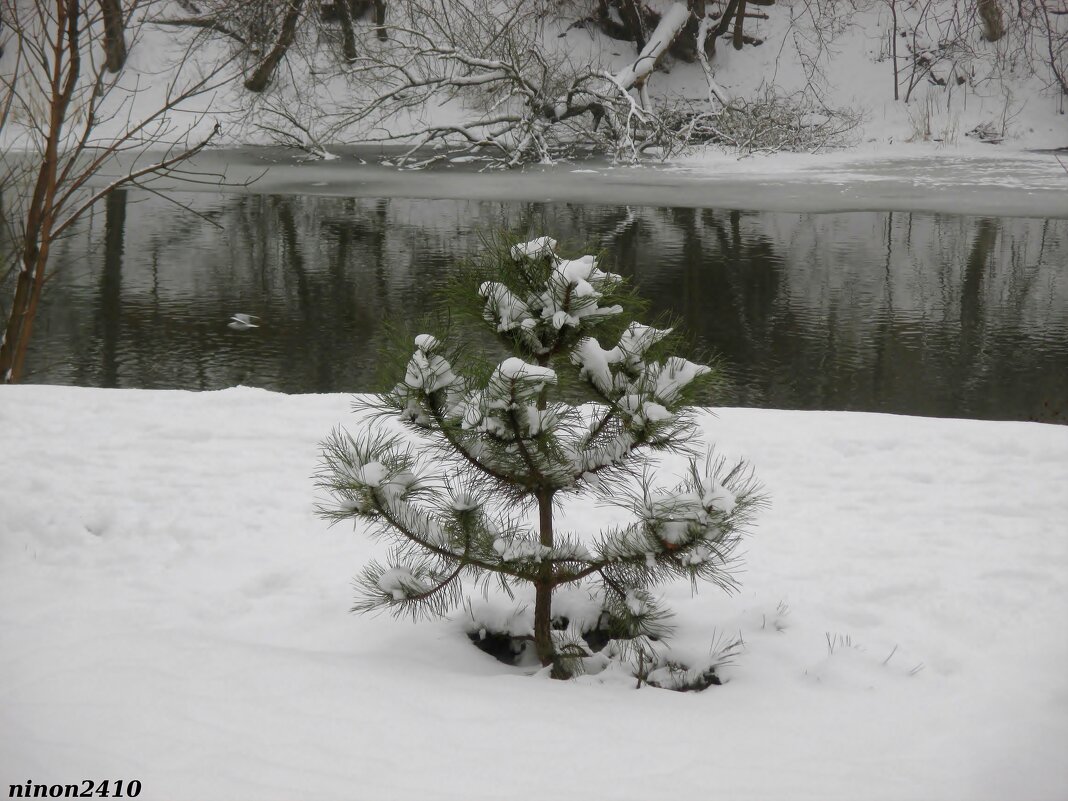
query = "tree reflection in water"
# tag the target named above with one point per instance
(910, 313)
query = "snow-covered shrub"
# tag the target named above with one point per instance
(471, 484)
(768, 123)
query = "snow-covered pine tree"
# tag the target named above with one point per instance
(469, 490)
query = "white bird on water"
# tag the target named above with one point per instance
(242, 322)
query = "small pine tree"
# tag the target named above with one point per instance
(470, 488)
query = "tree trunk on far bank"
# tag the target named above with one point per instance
(262, 75)
(739, 21)
(990, 15)
(114, 35)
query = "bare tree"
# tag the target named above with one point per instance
(523, 102)
(70, 125)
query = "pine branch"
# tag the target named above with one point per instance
(458, 446)
(398, 524)
(538, 478)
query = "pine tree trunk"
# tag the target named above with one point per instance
(543, 588)
(543, 629)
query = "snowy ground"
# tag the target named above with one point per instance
(172, 611)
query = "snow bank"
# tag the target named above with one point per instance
(171, 610)
(843, 51)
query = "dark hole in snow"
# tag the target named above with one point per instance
(596, 639)
(502, 647)
(515, 651)
(702, 681)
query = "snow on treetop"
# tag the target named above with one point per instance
(595, 362)
(638, 338)
(643, 411)
(684, 515)
(464, 501)
(371, 474)
(716, 496)
(428, 372)
(511, 384)
(400, 583)
(583, 270)
(665, 381)
(427, 343)
(571, 293)
(576, 278)
(637, 602)
(504, 307)
(514, 369)
(534, 248)
(520, 548)
(573, 290)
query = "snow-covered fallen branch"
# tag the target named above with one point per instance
(637, 72)
(521, 103)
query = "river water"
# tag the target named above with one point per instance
(913, 313)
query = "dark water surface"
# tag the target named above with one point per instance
(901, 312)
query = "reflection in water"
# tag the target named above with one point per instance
(109, 309)
(910, 313)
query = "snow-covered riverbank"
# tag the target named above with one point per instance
(172, 611)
